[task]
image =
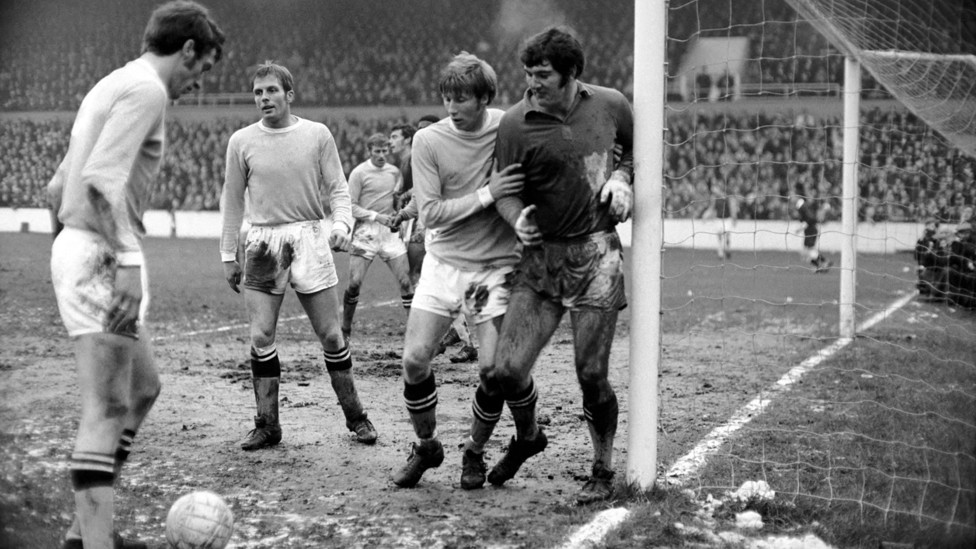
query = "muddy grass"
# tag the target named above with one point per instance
(319, 488)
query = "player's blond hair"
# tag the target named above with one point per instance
(468, 74)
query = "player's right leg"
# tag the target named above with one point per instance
(104, 374)
(437, 299)
(358, 266)
(83, 268)
(262, 312)
(424, 331)
(529, 323)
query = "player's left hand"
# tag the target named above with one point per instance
(339, 240)
(526, 228)
(621, 197)
(126, 299)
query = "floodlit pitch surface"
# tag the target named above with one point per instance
(319, 487)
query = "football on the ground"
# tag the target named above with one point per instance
(199, 520)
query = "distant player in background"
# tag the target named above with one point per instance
(401, 144)
(564, 133)
(281, 162)
(99, 193)
(372, 189)
(961, 282)
(811, 211)
(720, 216)
(471, 252)
(931, 257)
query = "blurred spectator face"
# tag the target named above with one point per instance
(273, 101)
(377, 155)
(465, 111)
(398, 143)
(547, 86)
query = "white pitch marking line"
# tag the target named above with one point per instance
(244, 325)
(591, 533)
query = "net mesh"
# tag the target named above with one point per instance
(922, 51)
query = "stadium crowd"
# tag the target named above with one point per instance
(370, 52)
(764, 160)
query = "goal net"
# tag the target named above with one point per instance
(874, 430)
(922, 51)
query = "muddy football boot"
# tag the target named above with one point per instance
(598, 488)
(468, 353)
(518, 451)
(365, 432)
(424, 455)
(262, 436)
(473, 470)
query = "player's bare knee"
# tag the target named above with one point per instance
(416, 364)
(594, 385)
(332, 341)
(489, 379)
(261, 338)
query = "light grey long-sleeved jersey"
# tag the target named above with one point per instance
(283, 172)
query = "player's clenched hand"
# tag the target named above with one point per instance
(126, 298)
(526, 227)
(339, 240)
(232, 272)
(621, 197)
(506, 182)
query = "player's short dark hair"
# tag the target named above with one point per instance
(465, 74)
(432, 118)
(377, 140)
(559, 46)
(406, 129)
(173, 23)
(270, 68)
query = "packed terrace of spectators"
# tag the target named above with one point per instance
(906, 172)
(370, 52)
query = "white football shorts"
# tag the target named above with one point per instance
(371, 239)
(83, 268)
(448, 291)
(296, 253)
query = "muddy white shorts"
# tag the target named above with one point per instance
(448, 291)
(296, 253)
(83, 268)
(371, 239)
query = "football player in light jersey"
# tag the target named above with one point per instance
(99, 193)
(471, 252)
(281, 162)
(372, 188)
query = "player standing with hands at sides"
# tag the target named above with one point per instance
(563, 133)
(471, 252)
(100, 191)
(282, 161)
(372, 185)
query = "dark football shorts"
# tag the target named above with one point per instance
(810, 234)
(582, 273)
